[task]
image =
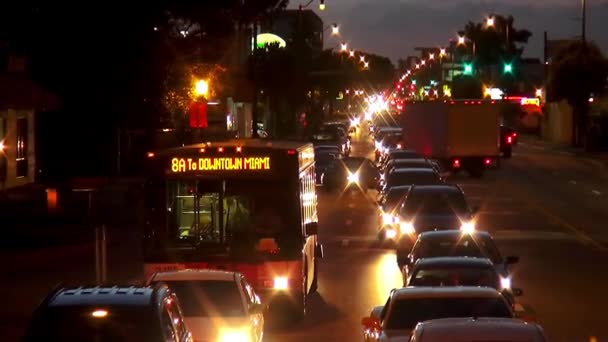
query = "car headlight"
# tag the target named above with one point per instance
(390, 234)
(505, 283)
(389, 219)
(235, 336)
(353, 177)
(281, 283)
(468, 227)
(407, 228)
(382, 176)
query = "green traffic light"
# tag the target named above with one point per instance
(468, 69)
(508, 69)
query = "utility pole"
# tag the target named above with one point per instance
(254, 108)
(584, 22)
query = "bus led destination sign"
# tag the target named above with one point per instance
(181, 165)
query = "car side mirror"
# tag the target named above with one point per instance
(370, 322)
(510, 260)
(257, 309)
(517, 292)
(312, 228)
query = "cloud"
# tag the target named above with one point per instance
(393, 28)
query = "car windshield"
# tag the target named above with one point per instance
(123, 323)
(406, 313)
(455, 276)
(467, 245)
(436, 203)
(413, 178)
(209, 298)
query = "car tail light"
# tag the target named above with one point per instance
(456, 163)
(509, 139)
(488, 161)
(514, 135)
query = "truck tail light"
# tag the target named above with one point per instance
(456, 163)
(509, 139)
(488, 161)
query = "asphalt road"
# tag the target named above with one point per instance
(550, 209)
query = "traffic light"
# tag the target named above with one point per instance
(507, 68)
(468, 69)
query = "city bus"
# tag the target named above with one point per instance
(248, 206)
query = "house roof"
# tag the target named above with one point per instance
(18, 92)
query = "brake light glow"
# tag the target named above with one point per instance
(151, 154)
(488, 161)
(456, 163)
(514, 134)
(202, 150)
(220, 149)
(291, 152)
(239, 149)
(509, 139)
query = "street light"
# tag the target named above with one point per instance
(201, 88)
(539, 92)
(461, 40)
(423, 62)
(351, 53)
(417, 66)
(335, 29)
(322, 5)
(442, 52)
(507, 68)
(431, 56)
(343, 47)
(362, 58)
(490, 22)
(365, 65)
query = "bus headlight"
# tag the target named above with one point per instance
(468, 227)
(505, 283)
(281, 283)
(235, 336)
(353, 177)
(407, 228)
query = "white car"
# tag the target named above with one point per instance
(477, 329)
(408, 306)
(217, 305)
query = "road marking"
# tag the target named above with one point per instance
(595, 192)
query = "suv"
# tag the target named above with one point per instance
(109, 313)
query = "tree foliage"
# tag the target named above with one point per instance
(577, 72)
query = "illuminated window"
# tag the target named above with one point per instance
(22, 136)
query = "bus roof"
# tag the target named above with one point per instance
(244, 143)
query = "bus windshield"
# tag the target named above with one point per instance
(245, 216)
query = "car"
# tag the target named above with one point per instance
(217, 305)
(460, 271)
(435, 207)
(332, 135)
(411, 176)
(387, 140)
(454, 243)
(388, 220)
(487, 329)
(408, 306)
(398, 153)
(109, 313)
(351, 172)
(419, 163)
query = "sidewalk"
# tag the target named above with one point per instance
(599, 159)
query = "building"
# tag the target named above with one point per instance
(288, 23)
(20, 102)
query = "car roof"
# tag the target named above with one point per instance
(459, 261)
(480, 329)
(103, 295)
(194, 274)
(446, 292)
(414, 170)
(456, 233)
(437, 187)
(398, 188)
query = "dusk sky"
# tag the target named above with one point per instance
(394, 27)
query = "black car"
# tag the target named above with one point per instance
(109, 313)
(411, 176)
(436, 207)
(351, 172)
(460, 271)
